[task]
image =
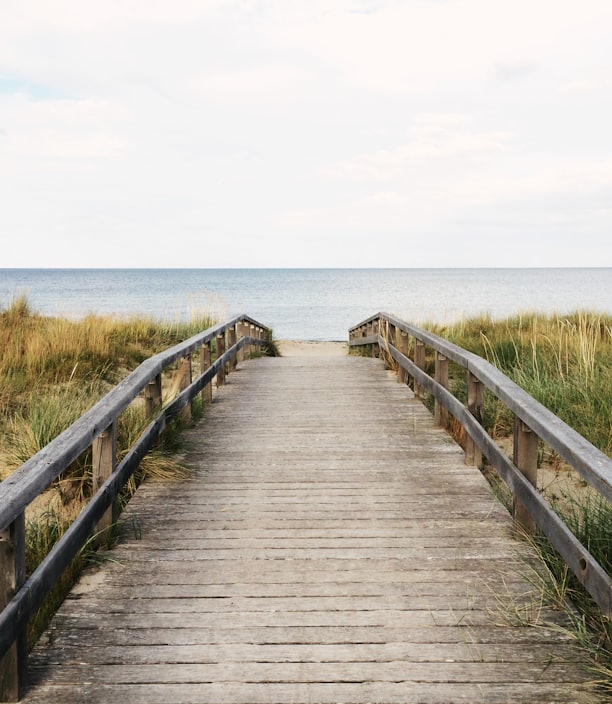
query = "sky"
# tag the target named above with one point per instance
(305, 133)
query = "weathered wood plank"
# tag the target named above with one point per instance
(263, 619)
(331, 547)
(445, 589)
(466, 672)
(530, 640)
(421, 652)
(404, 692)
(397, 604)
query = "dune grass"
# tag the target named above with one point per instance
(51, 371)
(562, 361)
(565, 362)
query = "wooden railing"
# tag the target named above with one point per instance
(20, 598)
(392, 336)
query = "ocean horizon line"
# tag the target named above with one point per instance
(306, 268)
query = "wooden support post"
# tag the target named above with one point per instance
(220, 342)
(441, 374)
(250, 331)
(240, 334)
(231, 341)
(375, 330)
(402, 374)
(525, 457)
(389, 337)
(153, 396)
(13, 665)
(184, 375)
(104, 461)
(475, 404)
(419, 360)
(205, 361)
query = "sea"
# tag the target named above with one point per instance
(310, 304)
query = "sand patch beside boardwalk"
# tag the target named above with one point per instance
(307, 348)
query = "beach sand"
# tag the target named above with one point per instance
(305, 348)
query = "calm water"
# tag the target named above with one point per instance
(310, 304)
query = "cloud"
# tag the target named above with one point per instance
(583, 86)
(318, 125)
(432, 138)
(517, 71)
(78, 16)
(365, 7)
(64, 130)
(414, 47)
(245, 83)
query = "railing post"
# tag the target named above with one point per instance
(205, 361)
(239, 336)
(13, 665)
(389, 337)
(251, 333)
(231, 341)
(153, 396)
(475, 403)
(525, 457)
(375, 330)
(184, 374)
(441, 375)
(402, 374)
(220, 342)
(419, 360)
(104, 461)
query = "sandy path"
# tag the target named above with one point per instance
(302, 348)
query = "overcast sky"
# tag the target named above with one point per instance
(214, 133)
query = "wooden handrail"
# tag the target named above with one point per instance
(19, 598)
(594, 466)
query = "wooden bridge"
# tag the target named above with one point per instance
(332, 545)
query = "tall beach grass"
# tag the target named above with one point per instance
(565, 362)
(51, 371)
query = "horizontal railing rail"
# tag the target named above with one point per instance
(20, 598)
(532, 422)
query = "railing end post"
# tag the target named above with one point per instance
(14, 663)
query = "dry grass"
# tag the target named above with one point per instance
(565, 363)
(51, 371)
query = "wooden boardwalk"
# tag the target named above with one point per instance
(331, 547)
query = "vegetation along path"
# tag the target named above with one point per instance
(331, 546)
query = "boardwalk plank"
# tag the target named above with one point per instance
(321, 693)
(331, 546)
(380, 671)
(309, 652)
(530, 639)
